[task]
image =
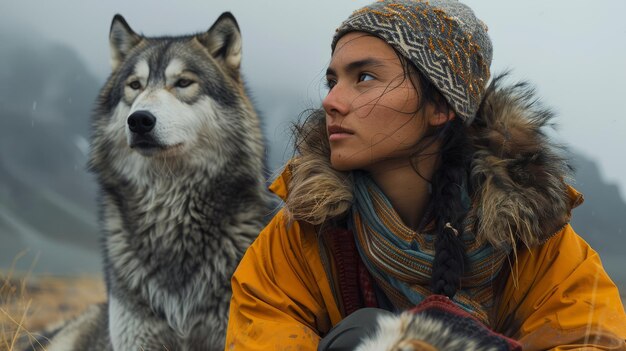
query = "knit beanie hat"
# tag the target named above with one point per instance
(442, 38)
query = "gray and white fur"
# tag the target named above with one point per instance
(418, 332)
(179, 156)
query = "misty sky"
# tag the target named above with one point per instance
(574, 52)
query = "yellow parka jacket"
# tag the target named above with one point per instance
(556, 296)
(282, 297)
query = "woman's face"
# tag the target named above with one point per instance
(372, 116)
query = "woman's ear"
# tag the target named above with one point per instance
(440, 115)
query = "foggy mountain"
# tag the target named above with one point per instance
(48, 199)
(600, 219)
(600, 216)
(46, 196)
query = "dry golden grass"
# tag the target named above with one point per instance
(30, 304)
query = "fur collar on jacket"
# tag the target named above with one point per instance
(518, 173)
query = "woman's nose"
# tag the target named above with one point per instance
(336, 102)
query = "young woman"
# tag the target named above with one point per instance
(417, 178)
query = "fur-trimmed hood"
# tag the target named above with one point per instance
(517, 173)
(520, 175)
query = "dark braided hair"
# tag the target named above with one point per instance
(449, 198)
(450, 204)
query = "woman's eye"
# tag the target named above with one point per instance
(135, 85)
(365, 77)
(330, 83)
(183, 83)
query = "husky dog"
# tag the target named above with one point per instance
(179, 156)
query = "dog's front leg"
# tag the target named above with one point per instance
(132, 330)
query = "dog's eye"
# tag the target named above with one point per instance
(183, 83)
(135, 85)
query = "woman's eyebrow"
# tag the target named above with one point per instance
(356, 66)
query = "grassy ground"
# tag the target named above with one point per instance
(30, 304)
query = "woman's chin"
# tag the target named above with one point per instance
(344, 164)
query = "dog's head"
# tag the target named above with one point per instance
(170, 95)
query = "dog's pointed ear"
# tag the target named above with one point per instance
(223, 40)
(121, 39)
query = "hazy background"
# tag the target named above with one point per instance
(54, 57)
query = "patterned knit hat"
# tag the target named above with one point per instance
(442, 38)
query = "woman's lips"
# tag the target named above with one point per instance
(337, 133)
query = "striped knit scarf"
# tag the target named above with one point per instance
(400, 259)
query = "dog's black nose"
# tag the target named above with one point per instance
(141, 122)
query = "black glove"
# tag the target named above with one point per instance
(348, 334)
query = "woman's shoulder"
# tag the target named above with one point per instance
(564, 260)
(284, 231)
(560, 288)
(564, 242)
(283, 249)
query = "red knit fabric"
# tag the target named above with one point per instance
(355, 283)
(343, 250)
(367, 286)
